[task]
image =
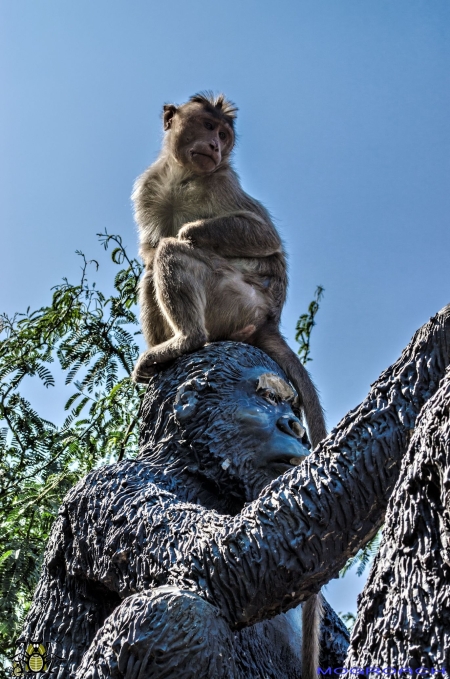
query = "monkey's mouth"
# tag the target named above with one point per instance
(203, 155)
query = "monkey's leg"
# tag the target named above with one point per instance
(167, 633)
(154, 325)
(182, 279)
(235, 309)
(269, 339)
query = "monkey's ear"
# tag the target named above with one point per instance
(169, 111)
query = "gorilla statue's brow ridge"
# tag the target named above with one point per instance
(275, 382)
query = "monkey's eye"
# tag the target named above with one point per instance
(208, 125)
(223, 135)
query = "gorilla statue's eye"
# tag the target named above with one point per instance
(208, 125)
(270, 396)
(222, 135)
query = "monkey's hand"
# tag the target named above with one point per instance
(190, 232)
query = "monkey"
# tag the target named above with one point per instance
(215, 267)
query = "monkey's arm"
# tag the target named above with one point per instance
(147, 252)
(237, 234)
(155, 327)
(152, 207)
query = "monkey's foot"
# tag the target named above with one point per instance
(146, 364)
(144, 369)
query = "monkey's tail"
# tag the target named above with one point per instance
(270, 340)
(312, 612)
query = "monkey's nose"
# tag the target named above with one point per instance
(289, 424)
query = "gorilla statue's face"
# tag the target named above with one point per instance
(265, 414)
(252, 435)
(219, 424)
(269, 439)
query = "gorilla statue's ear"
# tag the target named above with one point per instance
(186, 401)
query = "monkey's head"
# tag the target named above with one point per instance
(224, 415)
(200, 133)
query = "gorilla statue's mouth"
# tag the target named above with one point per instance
(284, 464)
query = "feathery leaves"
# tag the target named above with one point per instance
(90, 338)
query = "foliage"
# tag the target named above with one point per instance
(90, 338)
(362, 559)
(349, 619)
(364, 556)
(305, 324)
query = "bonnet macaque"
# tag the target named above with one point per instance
(215, 266)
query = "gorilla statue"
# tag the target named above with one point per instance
(187, 561)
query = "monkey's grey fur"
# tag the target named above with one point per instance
(215, 266)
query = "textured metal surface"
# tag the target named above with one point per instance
(190, 549)
(404, 613)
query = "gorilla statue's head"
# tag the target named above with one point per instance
(221, 421)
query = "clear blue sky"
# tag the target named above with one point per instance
(344, 135)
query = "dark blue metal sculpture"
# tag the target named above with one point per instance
(133, 538)
(192, 560)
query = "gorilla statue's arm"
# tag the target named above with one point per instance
(283, 546)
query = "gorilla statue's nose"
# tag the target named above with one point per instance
(289, 424)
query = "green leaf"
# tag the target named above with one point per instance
(305, 324)
(91, 337)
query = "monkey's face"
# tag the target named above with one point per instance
(255, 436)
(200, 140)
